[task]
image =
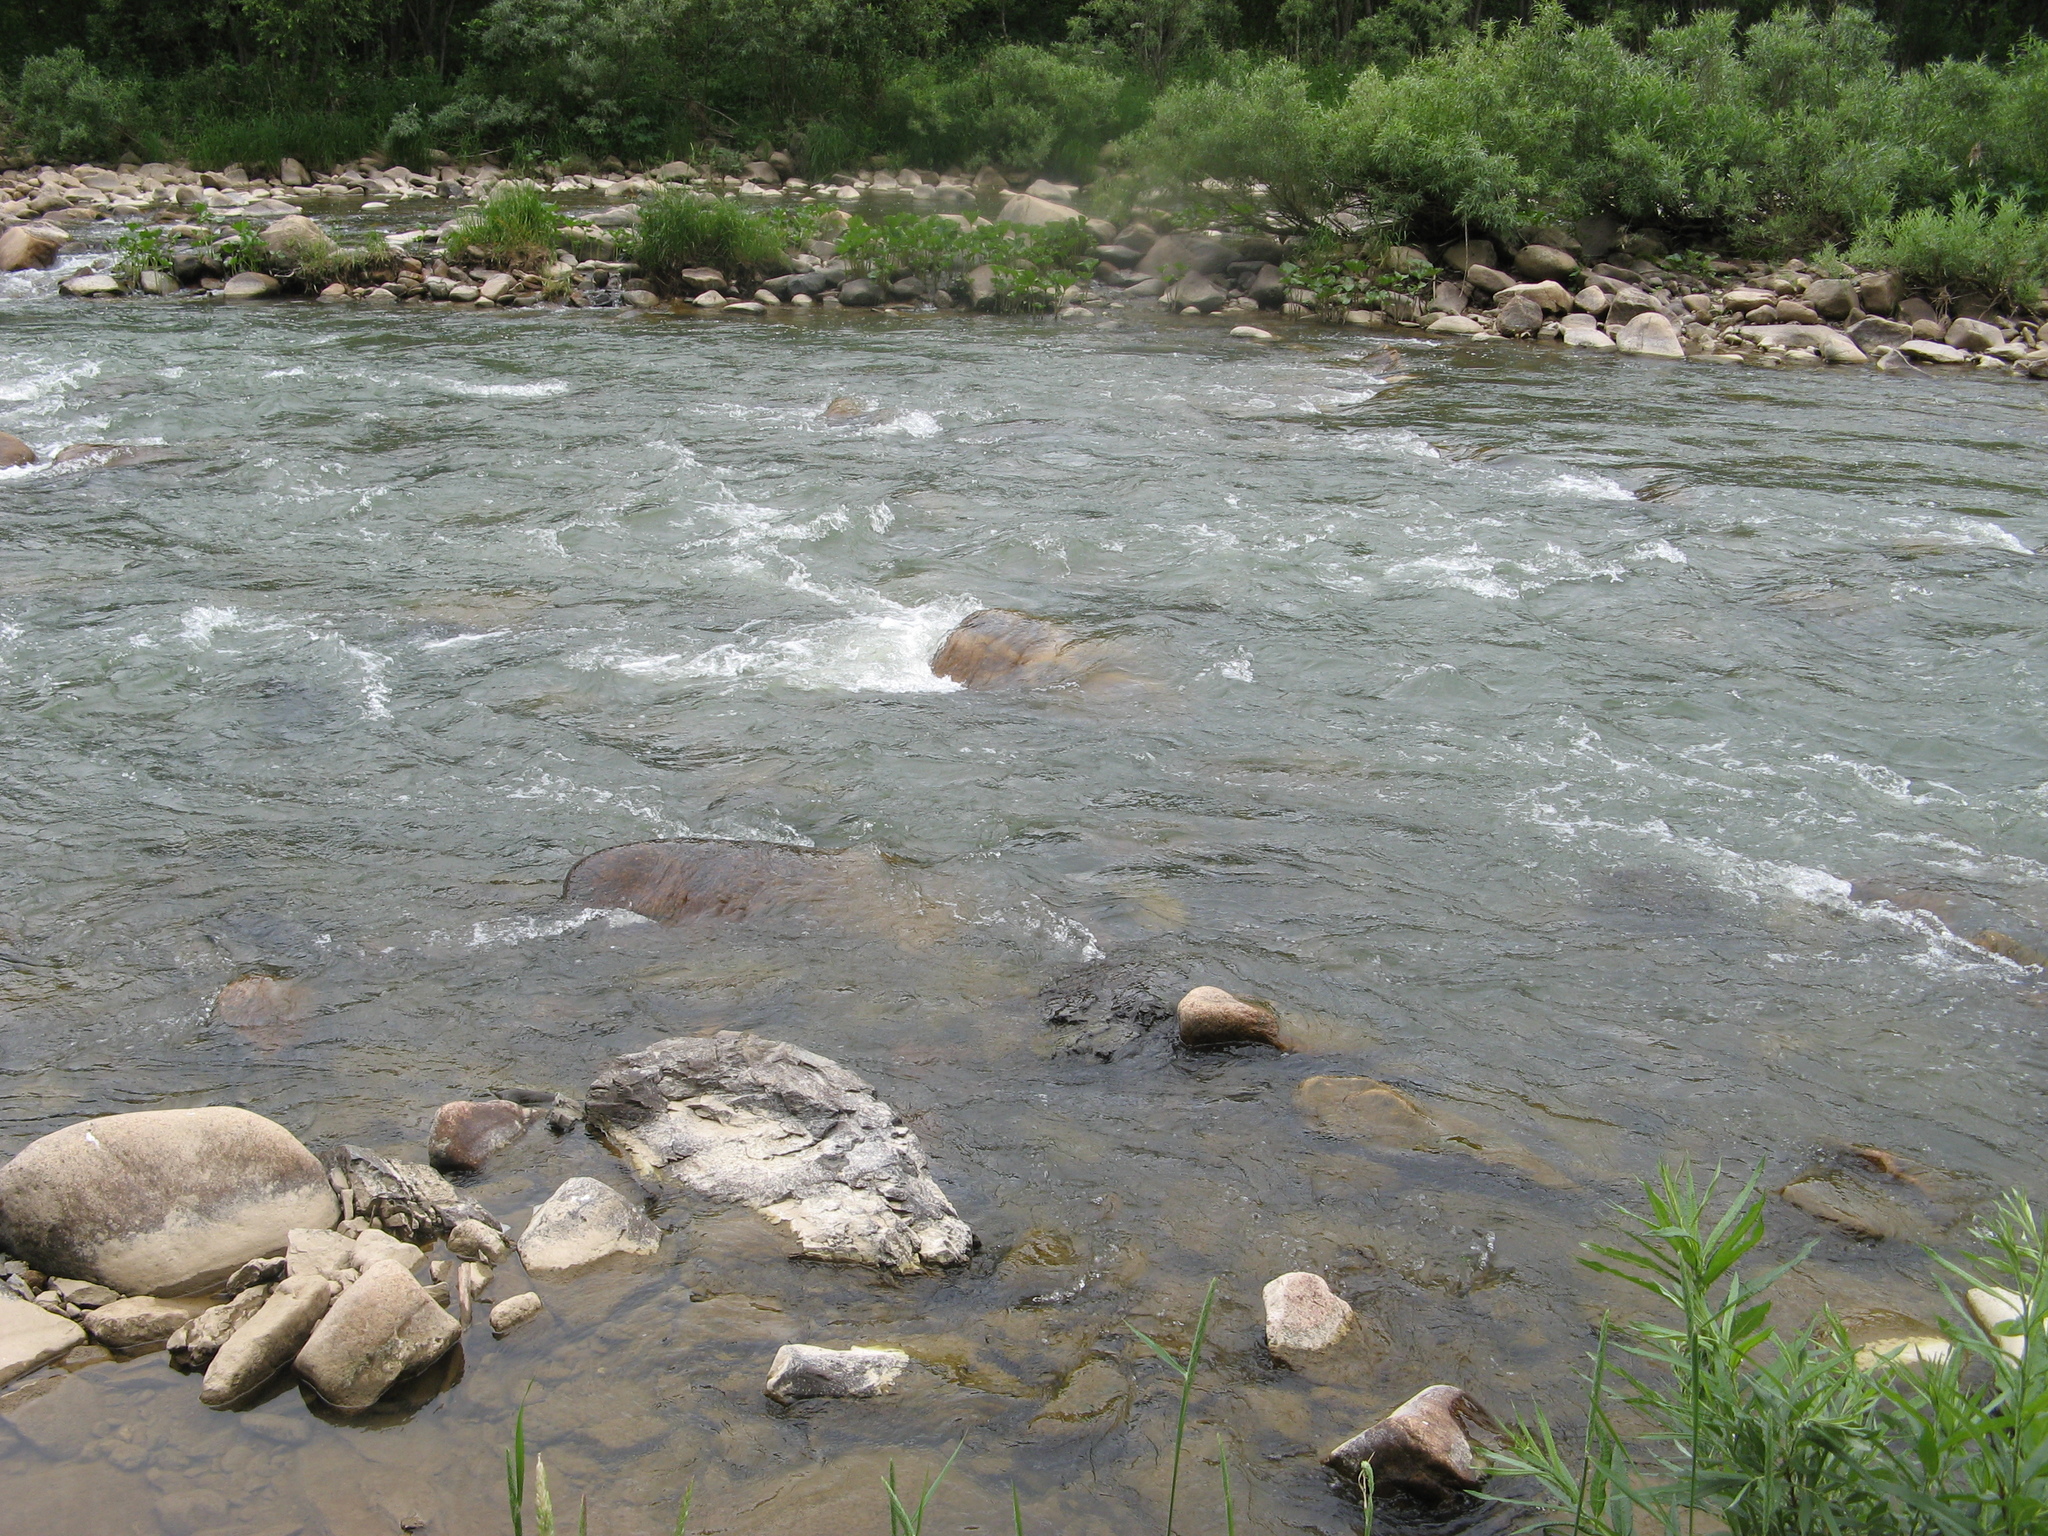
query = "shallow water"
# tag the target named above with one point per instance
(1517, 722)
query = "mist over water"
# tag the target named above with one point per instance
(1533, 730)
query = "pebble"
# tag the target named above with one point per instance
(514, 1310)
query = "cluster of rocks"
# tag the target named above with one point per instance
(215, 1234)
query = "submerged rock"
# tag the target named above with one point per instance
(1000, 648)
(1422, 1449)
(514, 1310)
(1095, 1393)
(468, 1131)
(1303, 1315)
(1212, 1016)
(804, 1370)
(14, 452)
(797, 1137)
(687, 879)
(1373, 1111)
(383, 1327)
(31, 1337)
(160, 1202)
(261, 1002)
(582, 1222)
(1108, 1007)
(260, 1347)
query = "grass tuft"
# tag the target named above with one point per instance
(514, 228)
(679, 230)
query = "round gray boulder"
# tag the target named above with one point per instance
(162, 1202)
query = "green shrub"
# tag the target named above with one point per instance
(1999, 250)
(1714, 1415)
(679, 230)
(1014, 106)
(514, 227)
(65, 109)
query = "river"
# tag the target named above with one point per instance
(1531, 729)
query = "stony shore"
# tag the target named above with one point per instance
(1597, 287)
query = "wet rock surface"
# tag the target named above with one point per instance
(383, 1327)
(802, 1370)
(31, 1337)
(1210, 1016)
(798, 1137)
(999, 648)
(467, 1132)
(1303, 1315)
(1423, 1449)
(261, 1347)
(160, 1201)
(581, 1223)
(694, 879)
(1374, 1111)
(1106, 1009)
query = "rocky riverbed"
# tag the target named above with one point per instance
(1323, 817)
(1599, 288)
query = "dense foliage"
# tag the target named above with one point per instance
(1746, 127)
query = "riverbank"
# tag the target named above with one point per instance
(1600, 287)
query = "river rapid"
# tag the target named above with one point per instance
(1539, 733)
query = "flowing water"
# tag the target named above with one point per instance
(1561, 740)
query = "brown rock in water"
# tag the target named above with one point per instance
(14, 452)
(1992, 941)
(30, 245)
(999, 647)
(467, 1132)
(691, 878)
(1373, 1111)
(257, 1002)
(1212, 1016)
(1303, 1315)
(113, 455)
(1423, 1448)
(383, 1327)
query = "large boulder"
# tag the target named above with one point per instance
(31, 1337)
(252, 285)
(582, 1222)
(382, 1328)
(1001, 648)
(1023, 208)
(1519, 316)
(1486, 279)
(1174, 256)
(1423, 1449)
(1831, 298)
(260, 1347)
(1878, 292)
(30, 245)
(161, 1202)
(1542, 263)
(1831, 344)
(14, 452)
(1874, 331)
(1651, 335)
(1552, 296)
(1196, 291)
(688, 879)
(1465, 253)
(296, 240)
(797, 1137)
(1973, 335)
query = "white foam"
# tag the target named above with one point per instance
(544, 389)
(198, 626)
(886, 650)
(908, 424)
(454, 642)
(520, 930)
(1591, 487)
(1504, 576)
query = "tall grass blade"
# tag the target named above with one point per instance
(1187, 1386)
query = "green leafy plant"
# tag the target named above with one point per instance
(142, 248)
(241, 248)
(1340, 280)
(1185, 1370)
(1717, 1416)
(908, 1520)
(513, 227)
(67, 109)
(679, 230)
(1996, 249)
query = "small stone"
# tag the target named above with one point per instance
(84, 1293)
(467, 1132)
(1250, 333)
(259, 1348)
(472, 1239)
(474, 1278)
(95, 285)
(252, 285)
(195, 1344)
(582, 1222)
(31, 1337)
(156, 281)
(514, 1310)
(1212, 1016)
(316, 1251)
(1421, 1449)
(1519, 317)
(256, 1272)
(497, 287)
(1454, 325)
(141, 1319)
(804, 1370)
(1303, 1315)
